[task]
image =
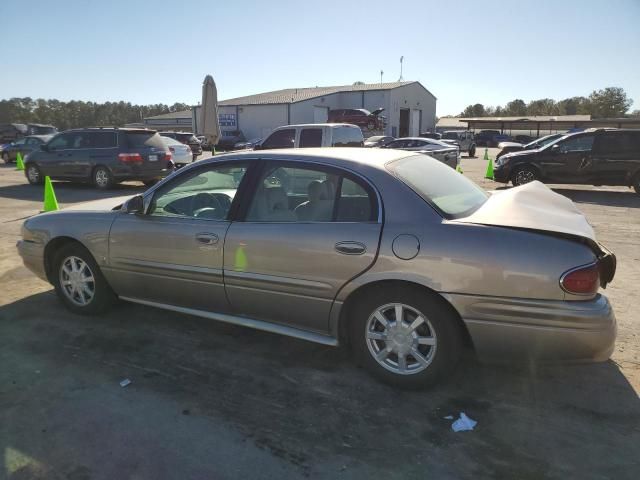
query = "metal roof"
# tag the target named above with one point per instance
(172, 115)
(293, 95)
(531, 118)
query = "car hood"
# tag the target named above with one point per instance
(510, 145)
(104, 204)
(532, 206)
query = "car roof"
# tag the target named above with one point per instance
(349, 157)
(414, 138)
(122, 129)
(41, 137)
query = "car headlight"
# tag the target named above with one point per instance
(501, 161)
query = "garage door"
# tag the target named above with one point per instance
(415, 123)
(320, 114)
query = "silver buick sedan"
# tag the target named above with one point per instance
(390, 252)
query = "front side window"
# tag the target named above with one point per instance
(61, 142)
(292, 194)
(20, 141)
(310, 137)
(204, 194)
(454, 195)
(583, 143)
(280, 139)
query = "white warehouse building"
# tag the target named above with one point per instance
(409, 108)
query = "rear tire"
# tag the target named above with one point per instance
(636, 184)
(5, 157)
(79, 282)
(413, 353)
(523, 175)
(102, 178)
(472, 151)
(33, 174)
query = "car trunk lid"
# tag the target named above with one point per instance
(535, 207)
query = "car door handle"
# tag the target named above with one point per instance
(351, 248)
(207, 238)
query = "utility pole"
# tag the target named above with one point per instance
(401, 59)
(381, 73)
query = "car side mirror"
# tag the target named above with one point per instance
(135, 205)
(44, 147)
(555, 149)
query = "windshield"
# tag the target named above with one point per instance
(453, 195)
(541, 142)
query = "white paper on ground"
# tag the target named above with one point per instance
(463, 424)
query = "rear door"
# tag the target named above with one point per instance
(616, 157)
(306, 232)
(569, 161)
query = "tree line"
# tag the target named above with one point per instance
(610, 102)
(77, 114)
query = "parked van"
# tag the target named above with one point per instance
(314, 135)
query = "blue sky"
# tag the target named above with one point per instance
(462, 51)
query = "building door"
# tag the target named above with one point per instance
(320, 114)
(404, 122)
(415, 123)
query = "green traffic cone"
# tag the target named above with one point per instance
(50, 201)
(489, 173)
(459, 169)
(19, 162)
(486, 154)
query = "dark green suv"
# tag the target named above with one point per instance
(101, 156)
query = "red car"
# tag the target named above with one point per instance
(358, 116)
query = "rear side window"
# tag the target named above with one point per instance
(142, 140)
(355, 204)
(311, 137)
(618, 142)
(347, 137)
(102, 140)
(280, 139)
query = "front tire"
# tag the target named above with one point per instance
(472, 151)
(79, 282)
(523, 175)
(102, 178)
(33, 174)
(406, 337)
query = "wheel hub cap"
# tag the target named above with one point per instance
(400, 338)
(77, 281)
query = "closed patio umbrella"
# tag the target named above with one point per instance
(209, 112)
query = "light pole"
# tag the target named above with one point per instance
(381, 73)
(401, 59)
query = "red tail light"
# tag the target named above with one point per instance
(168, 157)
(581, 280)
(130, 157)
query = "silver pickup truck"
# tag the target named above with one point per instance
(462, 139)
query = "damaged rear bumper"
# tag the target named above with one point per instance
(538, 329)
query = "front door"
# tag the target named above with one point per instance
(307, 231)
(569, 161)
(173, 254)
(59, 152)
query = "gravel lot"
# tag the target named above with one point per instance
(210, 400)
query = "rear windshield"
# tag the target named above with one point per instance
(143, 139)
(186, 137)
(452, 194)
(450, 135)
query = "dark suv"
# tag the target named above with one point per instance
(102, 156)
(186, 138)
(358, 116)
(593, 157)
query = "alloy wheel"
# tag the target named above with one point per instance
(401, 339)
(101, 177)
(77, 281)
(524, 176)
(33, 174)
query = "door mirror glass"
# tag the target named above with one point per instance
(555, 149)
(135, 205)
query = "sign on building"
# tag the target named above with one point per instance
(227, 119)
